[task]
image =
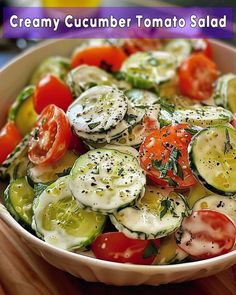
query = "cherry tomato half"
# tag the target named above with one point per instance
(196, 76)
(9, 138)
(108, 57)
(164, 156)
(51, 136)
(115, 246)
(51, 90)
(206, 234)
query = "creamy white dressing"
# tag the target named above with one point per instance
(105, 180)
(146, 221)
(99, 108)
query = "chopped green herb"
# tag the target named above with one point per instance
(171, 181)
(171, 164)
(169, 107)
(93, 125)
(142, 107)
(130, 119)
(228, 145)
(150, 250)
(191, 131)
(165, 207)
(44, 121)
(121, 170)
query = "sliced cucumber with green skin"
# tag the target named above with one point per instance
(14, 159)
(212, 158)
(98, 109)
(182, 102)
(142, 98)
(22, 111)
(181, 48)
(218, 203)
(104, 180)
(146, 100)
(202, 116)
(225, 92)
(55, 65)
(18, 200)
(59, 221)
(154, 217)
(84, 77)
(132, 117)
(49, 173)
(148, 69)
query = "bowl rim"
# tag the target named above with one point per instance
(5, 215)
(104, 263)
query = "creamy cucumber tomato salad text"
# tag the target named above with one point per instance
(128, 150)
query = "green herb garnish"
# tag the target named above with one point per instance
(228, 145)
(150, 250)
(165, 206)
(93, 125)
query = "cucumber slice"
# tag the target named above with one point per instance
(18, 199)
(225, 92)
(104, 180)
(212, 157)
(84, 77)
(142, 98)
(133, 136)
(55, 65)
(169, 252)
(182, 102)
(17, 157)
(49, 173)
(146, 100)
(22, 111)
(218, 203)
(154, 217)
(148, 69)
(123, 149)
(132, 117)
(181, 48)
(202, 116)
(98, 109)
(59, 220)
(196, 193)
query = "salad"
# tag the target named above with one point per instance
(126, 151)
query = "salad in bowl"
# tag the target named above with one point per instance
(126, 151)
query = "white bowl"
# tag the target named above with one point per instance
(12, 79)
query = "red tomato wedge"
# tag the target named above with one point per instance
(9, 138)
(108, 57)
(115, 246)
(196, 76)
(164, 156)
(51, 90)
(206, 234)
(51, 136)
